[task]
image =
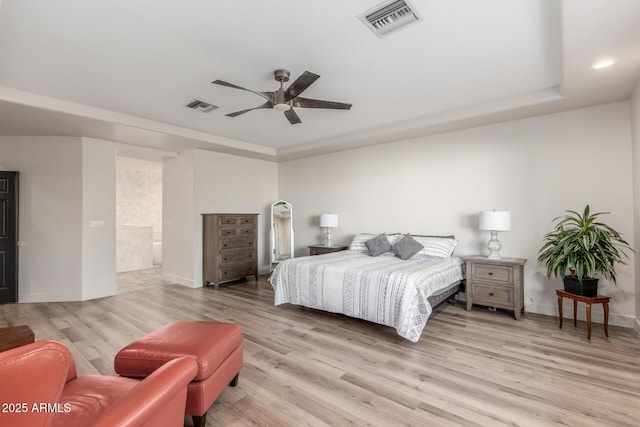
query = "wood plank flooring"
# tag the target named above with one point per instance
(309, 368)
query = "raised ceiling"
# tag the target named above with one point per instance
(124, 70)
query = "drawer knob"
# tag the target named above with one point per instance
(491, 273)
(491, 294)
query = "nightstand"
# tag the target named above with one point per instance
(320, 249)
(15, 336)
(496, 283)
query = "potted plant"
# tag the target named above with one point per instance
(584, 246)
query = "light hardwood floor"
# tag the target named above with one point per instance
(304, 367)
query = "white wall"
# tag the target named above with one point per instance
(227, 183)
(178, 230)
(200, 182)
(64, 183)
(98, 204)
(50, 252)
(635, 132)
(537, 168)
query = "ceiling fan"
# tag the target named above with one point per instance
(285, 99)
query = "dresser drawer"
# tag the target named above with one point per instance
(237, 272)
(493, 295)
(236, 220)
(492, 273)
(236, 256)
(236, 243)
(247, 220)
(236, 231)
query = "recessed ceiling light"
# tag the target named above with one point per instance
(603, 64)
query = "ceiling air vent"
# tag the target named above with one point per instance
(389, 16)
(202, 106)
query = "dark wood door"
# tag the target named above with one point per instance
(8, 237)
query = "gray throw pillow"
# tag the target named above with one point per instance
(407, 247)
(378, 245)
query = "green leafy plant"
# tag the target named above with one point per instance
(580, 243)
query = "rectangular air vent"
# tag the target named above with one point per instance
(389, 16)
(202, 106)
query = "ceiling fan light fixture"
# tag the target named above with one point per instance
(282, 107)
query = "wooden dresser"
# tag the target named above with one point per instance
(230, 247)
(496, 283)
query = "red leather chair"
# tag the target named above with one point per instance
(39, 387)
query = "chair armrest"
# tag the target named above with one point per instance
(159, 399)
(32, 374)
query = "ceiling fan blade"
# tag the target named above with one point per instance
(300, 85)
(317, 103)
(266, 95)
(267, 104)
(292, 116)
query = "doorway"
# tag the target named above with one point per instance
(8, 237)
(138, 216)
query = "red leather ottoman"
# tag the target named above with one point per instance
(217, 347)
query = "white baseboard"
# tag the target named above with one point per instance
(264, 269)
(179, 280)
(597, 313)
(50, 297)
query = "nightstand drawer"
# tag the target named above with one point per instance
(493, 295)
(496, 283)
(492, 273)
(321, 250)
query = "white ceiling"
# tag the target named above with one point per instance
(123, 70)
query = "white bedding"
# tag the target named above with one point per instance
(383, 289)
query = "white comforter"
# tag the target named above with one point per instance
(384, 289)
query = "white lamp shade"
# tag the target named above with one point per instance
(495, 220)
(329, 220)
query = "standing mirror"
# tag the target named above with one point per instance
(281, 232)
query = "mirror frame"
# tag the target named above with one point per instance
(272, 248)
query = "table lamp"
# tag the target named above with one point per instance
(328, 221)
(494, 221)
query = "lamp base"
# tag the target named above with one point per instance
(494, 246)
(328, 241)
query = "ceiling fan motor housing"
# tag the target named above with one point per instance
(281, 75)
(279, 97)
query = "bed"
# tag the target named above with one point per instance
(384, 289)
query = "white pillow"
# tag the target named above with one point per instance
(358, 242)
(438, 247)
